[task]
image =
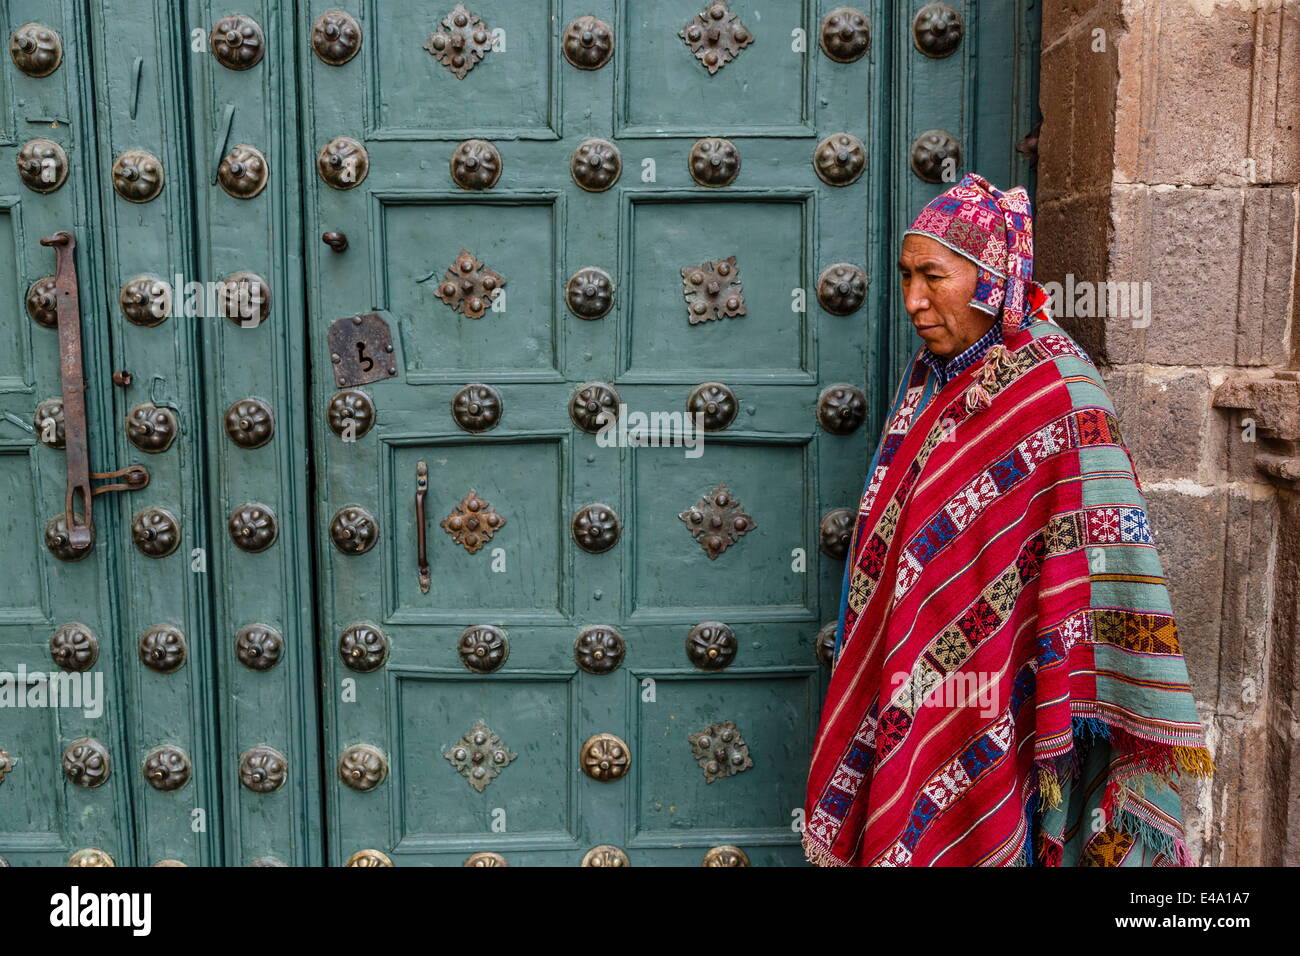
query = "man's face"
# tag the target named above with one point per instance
(938, 285)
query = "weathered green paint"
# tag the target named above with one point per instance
(406, 222)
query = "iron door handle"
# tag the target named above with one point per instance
(81, 528)
(421, 486)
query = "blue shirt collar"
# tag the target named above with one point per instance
(946, 370)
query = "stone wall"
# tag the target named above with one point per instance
(1170, 155)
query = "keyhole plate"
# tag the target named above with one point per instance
(361, 350)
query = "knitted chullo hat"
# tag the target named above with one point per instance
(995, 230)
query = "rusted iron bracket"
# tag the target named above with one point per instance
(80, 494)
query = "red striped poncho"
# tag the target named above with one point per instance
(1008, 686)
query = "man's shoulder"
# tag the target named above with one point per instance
(1079, 373)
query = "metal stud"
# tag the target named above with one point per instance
(717, 521)
(41, 304)
(258, 646)
(151, 428)
(245, 299)
(145, 300)
(842, 288)
(936, 30)
(477, 408)
(336, 37)
(720, 751)
(468, 286)
(6, 767)
(36, 49)
(59, 544)
(479, 756)
(475, 164)
(369, 858)
(605, 855)
(74, 647)
(845, 34)
(86, 763)
(711, 645)
(588, 43)
(263, 769)
(42, 165)
(170, 863)
(138, 175)
(351, 414)
(91, 856)
(716, 402)
(354, 530)
(712, 291)
(596, 165)
(364, 648)
(596, 528)
(839, 159)
(716, 36)
(50, 424)
(485, 859)
(362, 767)
(936, 156)
(243, 173)
(593, 406)
(605, 757)
(267, 861)
(726, 855)
(163, 648)
(472, 523)
(167, 768)
(250, 423)
(590, 293)
(483, 648)
(252, 527)
(841, 409)
(461, 42)
(714, 162)
(343, 163)
(156, 532)
(599, 649)
(836, 529)
(824, 644)
(237, 42)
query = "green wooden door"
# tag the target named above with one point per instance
(567, 597)
(137, 783)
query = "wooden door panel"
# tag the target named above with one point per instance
(662, 90)
(673, 577)
(419, 239)
(770, 236)
(775, 715)
(412, 96)
(523, 480)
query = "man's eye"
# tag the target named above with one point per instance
(933, 277)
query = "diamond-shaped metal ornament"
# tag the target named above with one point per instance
(716, 36)
(720, 751)
(479, 756)
(472, 522)
(712, 291)
(469, 286)
(462, 40)
(717, 521)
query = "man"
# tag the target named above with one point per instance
(1008, 687)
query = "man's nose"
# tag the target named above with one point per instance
(914, 300)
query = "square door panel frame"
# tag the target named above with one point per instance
(630, 198)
